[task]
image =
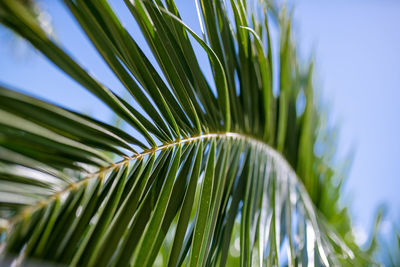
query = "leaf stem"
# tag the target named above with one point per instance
(239, 136)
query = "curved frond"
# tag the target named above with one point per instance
(221, 170)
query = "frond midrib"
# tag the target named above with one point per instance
(219, 135)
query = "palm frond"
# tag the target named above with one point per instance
(224, 165)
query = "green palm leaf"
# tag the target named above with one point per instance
(225, 167)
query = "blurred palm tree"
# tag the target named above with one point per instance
(219, 171)
(17, 45)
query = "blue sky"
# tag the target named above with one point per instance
(357, 53)
(356, 47)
